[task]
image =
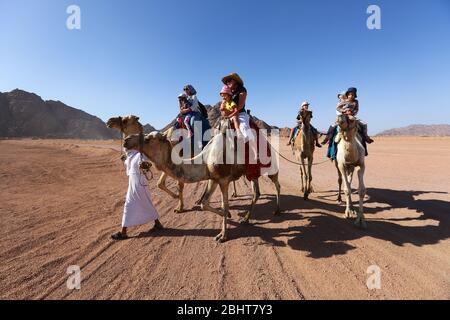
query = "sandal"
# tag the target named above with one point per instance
(119, 236)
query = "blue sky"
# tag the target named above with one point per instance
(133, 57)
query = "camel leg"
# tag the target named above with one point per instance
(339, 198)
(162, 185)
(222, 236)
(200, 200)
(275, 181)
(212, 186)
(348, 192)
(180, 207)
(305, 176)
(234, 194)
(256, 191)
(256, 195)
(310, 162)
(301, 178)
(360, 220)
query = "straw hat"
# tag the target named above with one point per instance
(233, 76)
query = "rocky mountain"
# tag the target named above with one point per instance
(148, 128)
(24, 114)
(419, 130)
(214, 118)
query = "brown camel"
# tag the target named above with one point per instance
(303, 148)
(129, 125)
(159, 150)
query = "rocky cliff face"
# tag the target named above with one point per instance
(419, 130)
(24, 114)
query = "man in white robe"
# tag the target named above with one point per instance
(138, 207)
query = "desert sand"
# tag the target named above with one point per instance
(62, 199)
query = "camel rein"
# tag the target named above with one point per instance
(299, 163)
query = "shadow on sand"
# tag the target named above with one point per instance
(323, 235)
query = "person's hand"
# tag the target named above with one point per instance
(145, 165)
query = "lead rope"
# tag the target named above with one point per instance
(143, 171)
(299, 163)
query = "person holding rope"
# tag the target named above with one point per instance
(138, 209)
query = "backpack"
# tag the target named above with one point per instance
(203, 110)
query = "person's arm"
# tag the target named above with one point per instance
(232, 114)
(356, 108)
(242, 99)
(222, 106)
(186, 110)
(340, 107)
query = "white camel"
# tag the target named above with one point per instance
(351, 154)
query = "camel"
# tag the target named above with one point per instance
(303, 148)
(159, 150)
(351, 154)
(129, 125)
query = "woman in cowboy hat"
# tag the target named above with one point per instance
(295, 130)
(239, 96)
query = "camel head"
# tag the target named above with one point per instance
(305, 116)
(346, 122)
(348, 126)
(127, 125)
(155, 146)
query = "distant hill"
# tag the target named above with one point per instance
(148, 128)
(214, 118)
(437, 130)
(24, 114)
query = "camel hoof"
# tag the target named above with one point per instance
(234, 195)
(220, 238)
(306, 196)
(277, 212)
(347, 214)
(244, 221)
(361, 224)
(178, 210)
(339, 200)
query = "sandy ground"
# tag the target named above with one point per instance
(61, 200)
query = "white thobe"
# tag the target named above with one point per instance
(138, 207)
